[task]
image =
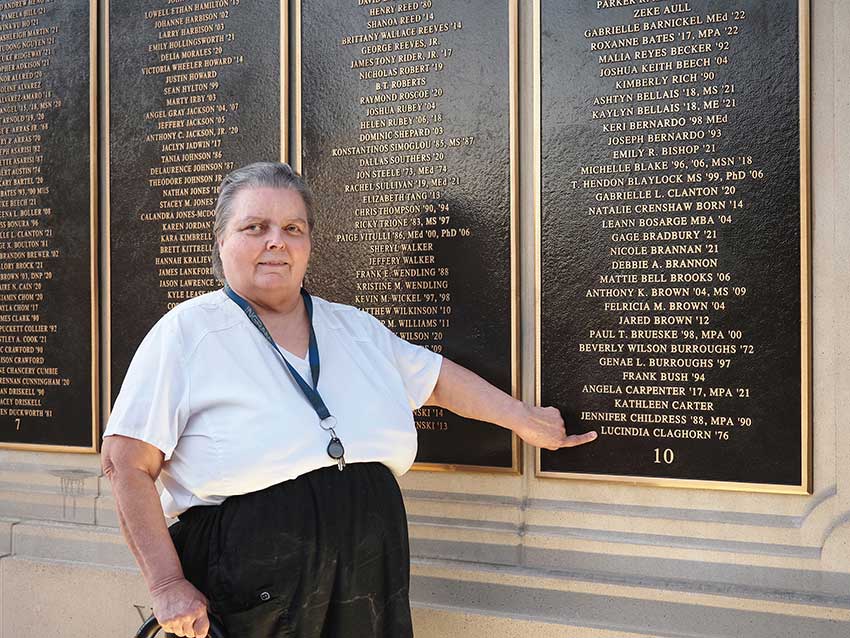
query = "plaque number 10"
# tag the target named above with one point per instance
(666, 455)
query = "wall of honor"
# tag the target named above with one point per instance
(673, 224)
(48, 226)
(195, 91)
(674, 241)
(406, 122)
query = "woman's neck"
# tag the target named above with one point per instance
(285, 318)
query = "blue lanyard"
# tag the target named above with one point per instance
(335, 448)
(312, 394)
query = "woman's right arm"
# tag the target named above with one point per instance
(132, 467)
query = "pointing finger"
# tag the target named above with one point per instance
(580, 439)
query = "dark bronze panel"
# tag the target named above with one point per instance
(674, 235)
(48, 389)
(194, 93)
(406, 139)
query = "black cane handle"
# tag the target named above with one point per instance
(151, 627)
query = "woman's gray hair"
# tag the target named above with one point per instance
(257, 175)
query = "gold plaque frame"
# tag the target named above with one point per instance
(805, 487)
(516, 443)
(284, 152)
(93, 262)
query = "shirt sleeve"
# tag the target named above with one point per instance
(418, 367)
(153, 403)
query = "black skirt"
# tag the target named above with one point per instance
(325, 555)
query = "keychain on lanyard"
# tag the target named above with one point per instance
(327, 421)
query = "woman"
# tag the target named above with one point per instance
(276, 422)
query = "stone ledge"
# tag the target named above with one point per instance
(69, 600)
(652, 609)
(87, 544)
(433, 621)
(50, 479)
(47, 506)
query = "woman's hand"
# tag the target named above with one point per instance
(544, 428)
(465, 393)
(181, 609)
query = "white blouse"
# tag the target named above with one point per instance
(207, 389)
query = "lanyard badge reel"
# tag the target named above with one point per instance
(335, 448)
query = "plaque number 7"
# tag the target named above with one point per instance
(17, 424)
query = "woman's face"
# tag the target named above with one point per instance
(265, 247)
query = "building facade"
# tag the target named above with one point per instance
(512, 553)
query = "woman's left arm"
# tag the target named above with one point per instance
(468, 395)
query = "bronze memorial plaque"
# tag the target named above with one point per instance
(48, 224)
(195, 91)
(405, 116)
(673, 240)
